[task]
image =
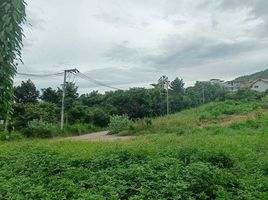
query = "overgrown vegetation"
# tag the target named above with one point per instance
(182, 156)
(230, 164)
(191, 120)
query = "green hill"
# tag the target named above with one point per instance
(258, 75)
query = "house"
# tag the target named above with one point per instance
(216, 81)
(232, 86)
(260, 85)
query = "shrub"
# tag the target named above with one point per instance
(100, 117)
(187, 154)
(148, 122)
(215, 130)
(41, 129)
(252, 124)
(220, 159)
(179, 131)
(119, 123)
(204, 117)
(236, 125)
(10, 136)
(78, 129)
(206, 180)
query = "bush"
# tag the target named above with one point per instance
(41, 129)
(78, 129)
(179, 131)
(4, 136)
(46, 130)
(119, 123)
(251, 124)
(204, 117)
(24, 113)
(246, 94)
(220, 159)
(100, 117)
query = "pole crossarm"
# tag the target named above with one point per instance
(73, 71)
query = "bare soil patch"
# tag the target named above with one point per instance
(99, 136)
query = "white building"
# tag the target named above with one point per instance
(260, 85)
(216, 81)
(232, 86)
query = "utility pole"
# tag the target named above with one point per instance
(63, 93)
(203, 94)
(167, 83)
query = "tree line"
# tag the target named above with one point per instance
(96, 108)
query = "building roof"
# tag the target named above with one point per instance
(262, 80)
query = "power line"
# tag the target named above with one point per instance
(86, 77)
(80, 75)
(40, 75)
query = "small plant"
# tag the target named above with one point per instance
(78, 129)
(204, 117)
(5, 136)
(179, 131)
(148, 122)
(119, 123)
(259, 114)
(220, 159)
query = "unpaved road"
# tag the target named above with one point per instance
(99, 136)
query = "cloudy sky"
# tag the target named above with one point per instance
(132, 43)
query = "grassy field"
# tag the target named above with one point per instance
(217, 151)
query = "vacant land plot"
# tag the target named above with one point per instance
(216, 162)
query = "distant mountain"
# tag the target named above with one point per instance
(259, 75)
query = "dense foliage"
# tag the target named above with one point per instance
(12, 15)
(26, 92)
(96, 109)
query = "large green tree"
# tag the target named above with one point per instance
(12, 16)
(50, 95)
(177, 86)
(26, 92)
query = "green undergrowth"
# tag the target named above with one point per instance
(39, 129)
(181, 160)
(202, 165)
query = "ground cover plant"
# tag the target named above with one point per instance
(211, 162)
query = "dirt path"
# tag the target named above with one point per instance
(99, 136)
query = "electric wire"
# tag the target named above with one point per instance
(86, 77)
(69, 76)
(39, 75)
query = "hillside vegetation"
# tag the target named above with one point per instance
(194, 154)
(188, 121)
(259, 75)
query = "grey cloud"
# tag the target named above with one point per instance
(258, 9)
(131, 43)
(123, 52)
(34, 20)
(177, 52)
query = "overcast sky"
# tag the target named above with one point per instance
(126, 43)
